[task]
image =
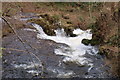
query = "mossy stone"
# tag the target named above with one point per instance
(69, 31)
(86, 41)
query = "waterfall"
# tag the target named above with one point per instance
(76, 50)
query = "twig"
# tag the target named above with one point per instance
(24, 45)
(90, 15)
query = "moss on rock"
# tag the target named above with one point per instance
(50, 23)
(86, 41)
(46, 22)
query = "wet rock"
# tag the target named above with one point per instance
(69, 22)
(69, 31)
(93, 42)
(86, 41)
(47, 25)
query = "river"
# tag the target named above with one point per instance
(58, 56)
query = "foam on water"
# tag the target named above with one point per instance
(76, 50)
(61, 73)
(26, 66)
(34, 72)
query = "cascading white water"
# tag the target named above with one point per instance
(76, 50)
